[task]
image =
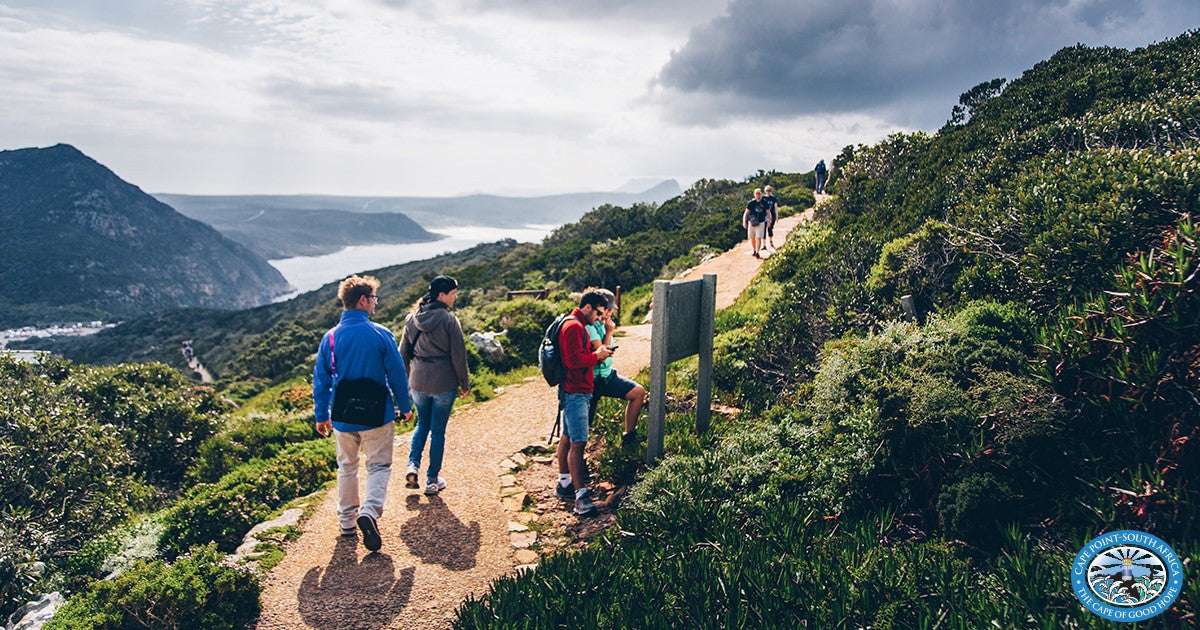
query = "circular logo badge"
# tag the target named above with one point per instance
(1127, 575)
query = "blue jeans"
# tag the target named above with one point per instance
(433, 412)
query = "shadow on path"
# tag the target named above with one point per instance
(350, 594)
(437, 536)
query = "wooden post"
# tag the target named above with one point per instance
(708, 330)
(657, 412)
(618, 293)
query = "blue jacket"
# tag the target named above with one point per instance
(362, 349)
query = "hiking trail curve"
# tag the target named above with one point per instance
(439, 550)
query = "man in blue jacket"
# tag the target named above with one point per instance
(359, 349)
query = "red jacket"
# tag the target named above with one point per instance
(573, 339)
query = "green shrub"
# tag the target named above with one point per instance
(1064, 222)
(970, 506)
(222, 512)
(162, 418)
(796, 196)
(199, 590)
(62, 476)
(788, 568)
(1130, 355)
(278, 352)
(19, 571)
(258, 437)
(526, 321)
(693, 257)
(922, 264)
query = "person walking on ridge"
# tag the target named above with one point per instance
(359, 380)
(772, 213)
(575, 394)
(436, 356)
(606, 380)
(822, 176)
(754, 219)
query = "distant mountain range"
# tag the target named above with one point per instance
(81, 243)
(282, 232)
(254, 219)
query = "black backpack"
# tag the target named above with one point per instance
(550, 354)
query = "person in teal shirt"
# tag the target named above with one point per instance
(607, 381)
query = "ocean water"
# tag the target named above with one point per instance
(306, 273)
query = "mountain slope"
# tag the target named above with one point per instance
(220, 337)
(81, 242)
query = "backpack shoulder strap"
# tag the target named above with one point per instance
(332, 356)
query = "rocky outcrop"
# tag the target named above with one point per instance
(37, 613)
(489, 346)
(92, 245)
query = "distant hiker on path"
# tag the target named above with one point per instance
(754, 219)
(358, 382)
(575, 392)
(436, 356)
(822, 175)
(606, 380)
(772, 214)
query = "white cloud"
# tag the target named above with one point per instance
(423, 97)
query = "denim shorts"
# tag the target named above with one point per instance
(613, 386)
(575, 416)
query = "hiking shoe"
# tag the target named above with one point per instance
(434, 487)
(566, 493)
(370, 532)
(629, 440)
(349, 532)
(410, 478)
(584, 505)
(755, 254)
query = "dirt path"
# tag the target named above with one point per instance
(438, 551)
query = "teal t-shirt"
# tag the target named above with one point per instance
(596, 333)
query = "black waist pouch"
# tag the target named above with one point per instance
(359, 401)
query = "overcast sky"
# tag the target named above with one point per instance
(445, 97)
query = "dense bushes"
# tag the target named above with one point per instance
(277, 352)
(222, 512)
(199, 590)
(788, 568)
(525, 321)
(1132, 355)
(161, 417)
(1056, 228)
(62, 476)
(259, 437)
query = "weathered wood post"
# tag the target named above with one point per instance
(684, 324)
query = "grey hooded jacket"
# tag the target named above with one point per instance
(437, 362)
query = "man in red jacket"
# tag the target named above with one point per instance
(576, 394)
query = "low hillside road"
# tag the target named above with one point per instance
(437, 551)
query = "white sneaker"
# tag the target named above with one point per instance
(434, 487)
(410, 478)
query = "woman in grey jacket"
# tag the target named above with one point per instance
(436, 358)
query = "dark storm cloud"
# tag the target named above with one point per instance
(906, 61)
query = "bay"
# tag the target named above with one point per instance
(306, 273)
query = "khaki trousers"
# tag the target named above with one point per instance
(376, 446)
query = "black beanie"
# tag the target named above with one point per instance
(440, 285)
